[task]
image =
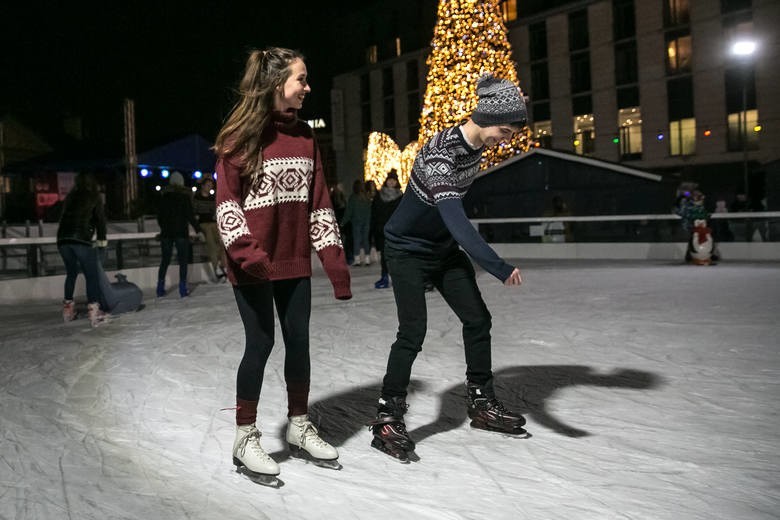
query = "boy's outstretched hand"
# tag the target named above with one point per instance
(514, 278)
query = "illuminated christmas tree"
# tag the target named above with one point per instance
(469, 39)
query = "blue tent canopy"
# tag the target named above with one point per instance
(187, 154)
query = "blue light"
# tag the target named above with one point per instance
(145, 172)
(198, 174)
(165, 173)
(214, 176)
(660, 136)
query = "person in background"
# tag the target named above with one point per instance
(174, 216)
(204, 203)
(83, 217)
(428, 238)
(358, 214)
(382, 207)
(270, 221)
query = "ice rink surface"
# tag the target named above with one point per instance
(651, 391)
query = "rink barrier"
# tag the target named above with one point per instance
(27, 262)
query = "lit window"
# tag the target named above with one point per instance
(584, 134)
(740, 126)
(682, 137)
(509, 10)
(372, 54)
(543, 133)
(630, 125)
(678, 54)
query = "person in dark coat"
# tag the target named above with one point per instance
(174, 217)
(82, 218)
(382, 207)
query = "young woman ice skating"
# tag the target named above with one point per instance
(273, 207)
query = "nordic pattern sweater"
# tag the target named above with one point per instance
(269, 229)
(430, 220)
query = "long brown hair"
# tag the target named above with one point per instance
(243, 133)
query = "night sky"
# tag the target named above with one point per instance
(178, 61)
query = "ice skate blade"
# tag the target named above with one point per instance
(263, 479)
(300, 453)
(517, 433)
(398, 454)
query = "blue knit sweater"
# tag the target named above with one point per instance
(430, 219)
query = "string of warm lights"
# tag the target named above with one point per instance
(469, 39)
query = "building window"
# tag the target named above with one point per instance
(540, 111)
(412, 75)
(743, 125)
(413, 112)
(509, 10)
(580, 72)
(584, 134)
(682, 137)
(678, 53)
(630, 132)
(626, 68)
(537, 44)
(676, 12)
(372, 54)
(679, 94)
(365, 104)
(578, 30)
(623, 19)
(389, 115)
(741, 107)
(628, 97)
(540, 83)
(543, 133)
(728, 6)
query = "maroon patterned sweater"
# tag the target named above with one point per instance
(270, 230)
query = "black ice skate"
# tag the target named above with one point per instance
(389, 429)
(488, 413)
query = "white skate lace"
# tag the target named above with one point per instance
(253, 436)
(309, 433)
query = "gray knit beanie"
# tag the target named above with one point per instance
(176, 179)
(500, 103)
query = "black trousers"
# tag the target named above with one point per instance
(454, 278)
(182, 245)
(293, 306)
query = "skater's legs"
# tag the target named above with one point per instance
(182, 256)
(166, 251)
(457, 285)
(255, 305)
(88, 258)
(71, 262)
(293, 305)
(409, 275)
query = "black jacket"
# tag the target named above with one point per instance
(175, 213)
(82, 217)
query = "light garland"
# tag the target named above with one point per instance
(469, 39)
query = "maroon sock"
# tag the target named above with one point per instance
(297, 398)
(246, 411)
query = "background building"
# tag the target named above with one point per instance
(651, 84)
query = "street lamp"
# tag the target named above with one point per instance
(743, 50)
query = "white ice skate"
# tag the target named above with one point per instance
(305, 442)
(251, 459)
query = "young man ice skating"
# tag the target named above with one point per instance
(423, 241)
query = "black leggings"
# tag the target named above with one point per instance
(293, 306)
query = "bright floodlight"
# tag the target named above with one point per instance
(743, 48)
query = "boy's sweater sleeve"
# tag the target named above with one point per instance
(325, 237)
(242, 248)
(459, 226)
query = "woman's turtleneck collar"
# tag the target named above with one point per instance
(285, 120)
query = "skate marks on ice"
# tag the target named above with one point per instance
(528, 390)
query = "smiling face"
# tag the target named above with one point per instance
(492, 135)
(290, 95)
